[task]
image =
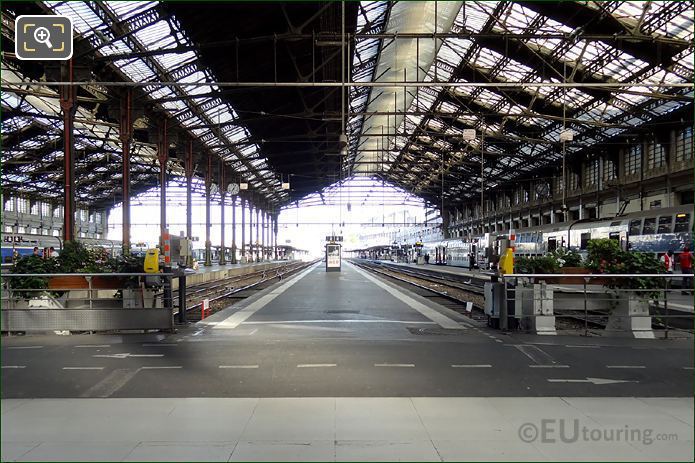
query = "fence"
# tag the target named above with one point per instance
(86, 302)
(639, 305)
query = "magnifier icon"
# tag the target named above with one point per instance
(42, 35)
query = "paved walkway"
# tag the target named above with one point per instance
(348, 429)
(343, 366)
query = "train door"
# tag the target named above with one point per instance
(471, 256)
(552, 244)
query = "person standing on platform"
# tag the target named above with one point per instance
(686, 263)
(667, 260)
(36, 251)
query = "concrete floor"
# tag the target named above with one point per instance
(338, 366)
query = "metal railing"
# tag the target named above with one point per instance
(593, 303)
(86, 302)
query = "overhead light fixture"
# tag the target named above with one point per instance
(566, 135)
(285, 185)
(469, 134)
(244, 186)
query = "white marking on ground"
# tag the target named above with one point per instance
(242, 315)
(161, 368)
(146, 355)
(471, 366)
(26, 347)
(238, 366)
(536, 354)
(83, 368)
(428, 312)
(404, 365)
(687, 368)
(579, 346)
(254, 331)
(316, 365)
(591, 380)
(337, 321)
(14, 366)
(111, 383)
(625, 366)
(93, 346)
(160, 345)
(549, 366)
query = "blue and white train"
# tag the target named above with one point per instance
(655, 231)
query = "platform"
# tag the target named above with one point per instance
(340, 366)
(444, 269)
(217, 272)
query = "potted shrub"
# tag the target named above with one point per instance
(28, 265)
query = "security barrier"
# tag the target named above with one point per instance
(639, 305)
(86, 302)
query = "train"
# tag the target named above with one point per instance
(23, 244)
(655, 231)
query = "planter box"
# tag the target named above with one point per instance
(80, 282)
(99, 282)
(69, 282)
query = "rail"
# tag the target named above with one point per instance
(215, 294)
(449, 286)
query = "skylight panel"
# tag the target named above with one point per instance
(475, 15)
(517, 20)
(127, 10)
(84, 20)
(158, 33)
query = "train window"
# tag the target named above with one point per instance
(665, 224)
(614, 235)
(682, 222)
(649, 226)
(635, 226)
(616, 224)
(584, 240)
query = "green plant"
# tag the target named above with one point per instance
(29, 265)
(567, 257)
(606, 256)
(544, 264)
(75, 257)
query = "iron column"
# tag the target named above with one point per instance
(275, 232)
(125, 134)
(258, 257)
(223, 193)
(263, 252)
(163, 155)
(234, 230)
(243, 230)
(208, 184)
(67, 104)
(189, 187)
(251, 230)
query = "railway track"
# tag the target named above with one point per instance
(452, 291)
(223, 292)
